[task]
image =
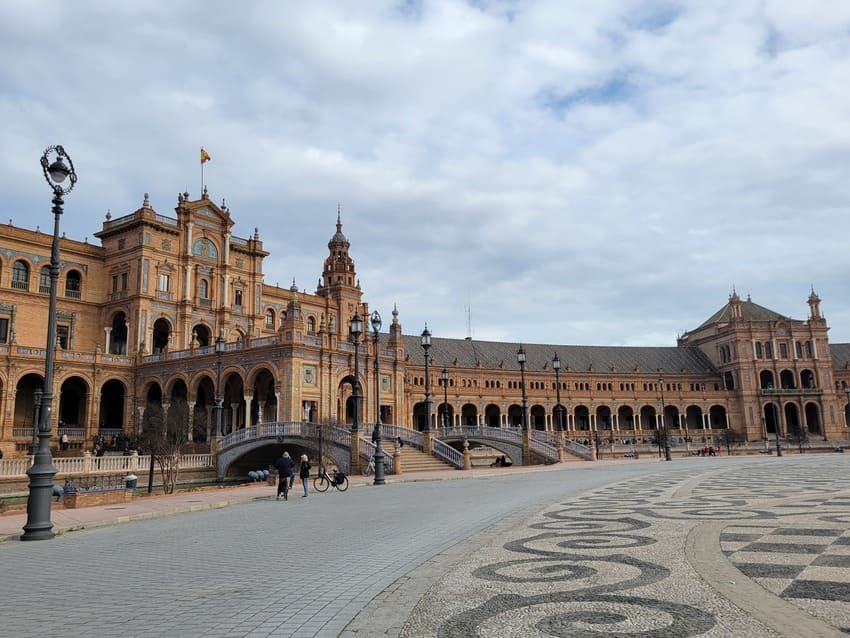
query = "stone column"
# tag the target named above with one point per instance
(248, 398)
(277, 406)
(190, 426)
(234, 414)
(467, 457)
(165, 407)
(209, 410)
(260, 407)
(141, 418)
(526, 447)
(355, 452)
(108, 332)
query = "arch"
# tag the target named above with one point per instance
(311, 325)
(648, 420)
(807, 379)
(151, 425)
(202, 335)
(73, 284)
(445, 415)
(269, 319)
(112, 399)
(559, 418)
(603, 418)
(813, 420)
(786, 380)
(177, 417)
(493, 415)
(728, 381)
(693, 417)
(44, 280)
(118, 334)
(202, 388)
(264, 402)
(671, 417)
(582, 418)
(515, 415)
(21, 275)
(237, 297)
(233, 407)
(793, 425)
(626, 417)
(24, 411)
(770, 414)
(161, 335)
(537, 418)
(717, 417)
(766, 380)
(468, 414)
(73, 402)
(420, 418)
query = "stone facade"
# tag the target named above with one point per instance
(139, 315)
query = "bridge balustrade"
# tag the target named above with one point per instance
(447, 453)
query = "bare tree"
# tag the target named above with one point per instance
(731, 438)
(798, 435)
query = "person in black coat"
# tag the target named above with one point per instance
(285, 472)
(304, 474)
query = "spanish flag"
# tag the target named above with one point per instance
(205, 157)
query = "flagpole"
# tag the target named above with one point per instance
(201, 193)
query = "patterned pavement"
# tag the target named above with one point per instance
(724, 550)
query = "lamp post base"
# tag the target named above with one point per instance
(379, 464)
(39, 527)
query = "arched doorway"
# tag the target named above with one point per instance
(420, 418)
(264, 403)
(492, 416)
(582, 416)
(515, 416)
(25, 400)
(537, 417)
(202, 335)
(445, 415)
(111, 410)
(118, 334)
(73, 402)
(177, 418)
(161, 335)
(152, 417)
(813, 418)
(469, 414)
(771, 418)
(233, 408)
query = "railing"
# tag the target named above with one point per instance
(120, 221)
(389, 431)
(367, 451)
(165, 296)
(447, 453)
(44, 289)
(162, 219)
(312, 341)
(583, 451)
(545, 450)
(152, 358)
(74, 434)
(330, 433)
(87, 464)
(22, 433)
(179, 354)
(206, 303)
(238, 241)
(73, 294)
(20, 285)
(264, 341)
(115, 296)
(234, 346)
(781, 391)
(110, 432)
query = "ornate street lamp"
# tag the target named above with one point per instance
(559, 409)
(355, 329)
(376, 433)
(778, 417)
(426, 346)
(444, 375)
(35, 420)
(664, 420)
(219, 398)
(520, 357)
(41, 472)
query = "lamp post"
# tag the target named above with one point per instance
(376, 433)
(426, 346)
(355, 329)
(36, 411)
(219, 398)
(445, 377)
(847, 409)
(520, 357)
(41, 472)
(778, 417)
(664, 420)
(556, 365)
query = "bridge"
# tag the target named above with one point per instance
(335, 442)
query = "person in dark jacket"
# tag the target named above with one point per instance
(285, 472)
(304, 474)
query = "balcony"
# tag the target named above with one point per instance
(73, 294)
(21, 285)
(790, 391)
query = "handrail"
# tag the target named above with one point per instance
(447, 453)
(94, 464)
(583, 451)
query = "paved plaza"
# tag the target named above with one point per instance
(696, 547)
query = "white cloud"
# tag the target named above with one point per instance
(579, 173)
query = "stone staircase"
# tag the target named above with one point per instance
(415, 460)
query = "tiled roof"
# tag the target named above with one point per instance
(491, 355)
(840, 355)
(749, 312)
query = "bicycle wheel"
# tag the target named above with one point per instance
(342, 486)
(368, 469)
(321, 484)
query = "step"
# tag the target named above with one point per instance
(414, 459)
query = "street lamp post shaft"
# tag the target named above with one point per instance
(376, 434)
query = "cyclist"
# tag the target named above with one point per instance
(285, 472)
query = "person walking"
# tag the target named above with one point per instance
(285, 472)
(304, 474)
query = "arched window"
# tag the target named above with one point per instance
(204, 289)
(270, 319)
(44, 280)
(20, 276)
(311, 325)
(237, 297)
(73, 284)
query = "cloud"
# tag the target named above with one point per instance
(598, 174)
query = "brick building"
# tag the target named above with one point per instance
(139, 315)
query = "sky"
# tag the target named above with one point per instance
(600, 172)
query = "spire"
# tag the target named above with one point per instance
(814, 305)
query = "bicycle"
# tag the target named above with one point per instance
(324, 481)
(369, 468)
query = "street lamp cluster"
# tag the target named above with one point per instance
(664, 432)
(41, 472)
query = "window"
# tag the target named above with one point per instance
(783, 350)
(20, 276)
(164, 281)
(758, 350)
(115, 283)
(798, 348)
(270, 319)
(44, 280)
(311, 326)
(63, 337)
(768, 350)
(204, 289)
(237, 297)
(809, 349)
(4, 330)
(124, 279)
(73, 285)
